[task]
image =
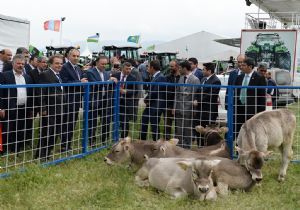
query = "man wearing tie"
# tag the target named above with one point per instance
(100, 105)
(249, 101)
(155, 102)
(71, 73)
(183, 105)
(208, 97)
(52, 107)
(127, 93)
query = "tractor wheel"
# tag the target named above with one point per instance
(283, 61)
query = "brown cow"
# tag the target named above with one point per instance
(264, 130)
(213, 134)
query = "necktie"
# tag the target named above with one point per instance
(184, 79)
(205, 80)
(243, 94)
(122, 80)
(58, 77)
(76, 71)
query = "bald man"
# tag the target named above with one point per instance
(5, 58)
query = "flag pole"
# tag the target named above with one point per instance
(61, 30)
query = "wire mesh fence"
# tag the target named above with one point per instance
(55, 122)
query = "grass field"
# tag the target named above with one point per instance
(89, 183)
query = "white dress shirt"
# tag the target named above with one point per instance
(1, 66)
(21, 92)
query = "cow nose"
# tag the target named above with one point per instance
(203, 189)
(105, 159)
(258, 179)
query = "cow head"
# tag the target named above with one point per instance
(253, 161)
(162, 147)
(201, 173)
(213, 134)
(120, 152)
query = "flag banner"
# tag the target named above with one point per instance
(52, 25)
(34, 51)
(94, 38)
(151, 48)
(134, 39)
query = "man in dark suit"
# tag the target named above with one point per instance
(127, 97)
(100, 105)
(249, 101)
(71, 73)
(52, 107)
(195, 70)
(155, 102)
(208, 97)
(233, 75)
(32, 64)
(17, 105)
(5, 59)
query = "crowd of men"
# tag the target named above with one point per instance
(194, 101)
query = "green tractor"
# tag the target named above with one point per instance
(271, 49)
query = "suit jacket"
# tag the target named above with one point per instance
(7, 66)
(198, 73)
(34, 74)
(52, 97)
(209, 95)
(68, 75)
(256, 98)
(27, 68)
(156, 97)
(131, 89)
(98, 92)
(185, 95)
(9, 96)
(231, 81)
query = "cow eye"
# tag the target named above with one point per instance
(117, 151)
(194, 175)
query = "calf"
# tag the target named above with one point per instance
(212, 134)
(130, 152)
(179, 177)
(220, 149)
(266, 129)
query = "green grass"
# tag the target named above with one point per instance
(89, 183)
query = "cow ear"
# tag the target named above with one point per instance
(127, 139)
(184, 164)
(146, 157)
(163, 149)
(200, 129)
(224, 129)
(174, 141)
(126, 147)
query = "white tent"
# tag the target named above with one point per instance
(200, 45)
(86, 52)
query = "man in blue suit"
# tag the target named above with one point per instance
(127, 97)
(17, 105)
(100, 105)
(233, 75)
(71, 73)
(195, 70)
(155, 102)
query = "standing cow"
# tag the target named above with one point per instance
(267, 129)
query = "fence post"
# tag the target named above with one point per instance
(85, 117)
(230, 122)
(116, 112)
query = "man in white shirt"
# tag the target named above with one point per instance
(16, 106)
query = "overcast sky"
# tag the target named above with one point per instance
(162, 20)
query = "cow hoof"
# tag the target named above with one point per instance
(281, 178)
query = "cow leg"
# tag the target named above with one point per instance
(142, 177)
(222, 188)
(286, 153)
(176, 192)
(212, 194)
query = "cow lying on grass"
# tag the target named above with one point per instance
(179, 177)
(266, 130)
(213, 137)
